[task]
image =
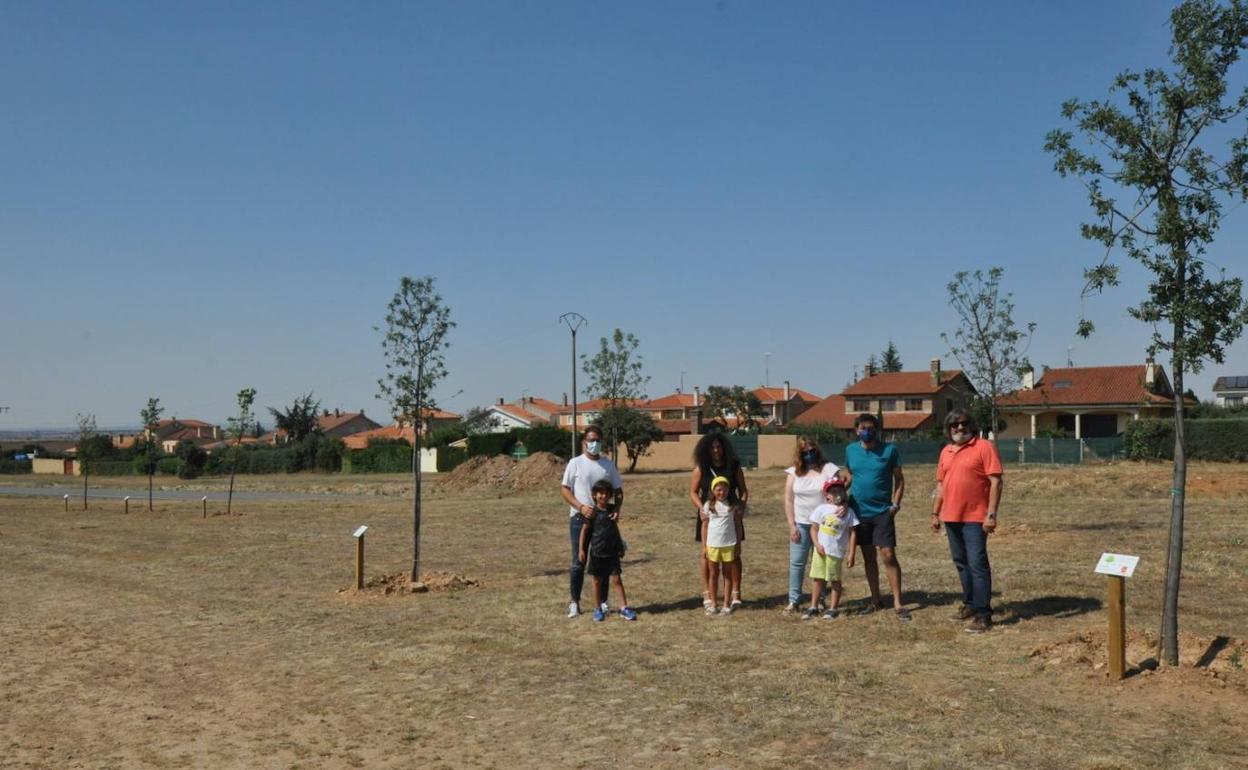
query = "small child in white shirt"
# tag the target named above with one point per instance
(722, 531)
(832, 531)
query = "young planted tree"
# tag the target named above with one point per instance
(237, 428)
(300, 419)
(725, 401)
(412, 341)
(86, 434)
(634, 428)
(1159, 157)
(149, 416)
(890, 359)
(987, 345)
(615, 376)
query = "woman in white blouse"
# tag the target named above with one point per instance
(803, 492)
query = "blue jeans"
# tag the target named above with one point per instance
(968, 545)
(799, 560)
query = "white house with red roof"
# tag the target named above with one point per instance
(524, 413)
(1087, 401)
(905, 402)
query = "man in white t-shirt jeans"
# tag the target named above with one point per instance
(578, 479)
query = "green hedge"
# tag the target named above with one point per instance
(546, 438)
(15, 467)
(491, 444)
(380, 457)
(1217, 440)
(111, 468)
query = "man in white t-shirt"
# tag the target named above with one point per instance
(578, 481)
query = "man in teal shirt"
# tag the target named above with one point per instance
(876, 488)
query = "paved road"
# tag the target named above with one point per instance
(75, 493)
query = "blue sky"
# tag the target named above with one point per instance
(198, 198)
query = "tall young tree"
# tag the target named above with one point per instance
(987, 345)
(615, 376)
(1159, 157)
(890, 359)
(86, 434)
(149, 416)
(412, 341)
(237, 428)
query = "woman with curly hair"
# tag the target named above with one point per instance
(714, 456)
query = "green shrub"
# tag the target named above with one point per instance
(450, 457)
(546, 438)
(1220, 440)
(819, 432)
(491, 444)
(384, 456)
(112, 468)
(168, 466)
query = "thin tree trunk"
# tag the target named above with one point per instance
(151, 471)
(229, 499)
(1174, 553)
(86, 474)
(420, 375)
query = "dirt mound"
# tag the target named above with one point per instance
(538, 470)
(400, 583)
(1216, 655)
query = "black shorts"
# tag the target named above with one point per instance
(879, 531)
(603, 566)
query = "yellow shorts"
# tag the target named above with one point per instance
(724, 555)
(826, 568)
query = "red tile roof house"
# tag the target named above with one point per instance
(525, 413)
(169, 432)
(783, 405)
(908, 402)
(335, 424)
(1087, 401)
(434, 419)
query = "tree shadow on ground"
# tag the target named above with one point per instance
(1216, 646)
(1101, 526)
(1047, 606)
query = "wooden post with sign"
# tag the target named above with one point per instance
(1117, 644)
(204, 500)
(67, 503)
(359, 557)
(127, 502)
(1118, 567)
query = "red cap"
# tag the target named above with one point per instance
(835, 481)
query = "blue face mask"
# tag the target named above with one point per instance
(867, 435)
(809, 457)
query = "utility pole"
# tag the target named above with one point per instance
(573, 321)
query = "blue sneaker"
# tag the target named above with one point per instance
(627, 613)
(599, 614)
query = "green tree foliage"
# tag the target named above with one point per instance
(1159, 158)
(148, 417)
(237, 428)
(412, 342)
(477, 420)
(615, 376)
(87, 447)
(191, 460)
(632, 427)
(991, 350)
(890, 359)
(725, 402)
(300, 419)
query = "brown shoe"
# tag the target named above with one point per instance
(979, 625)
(965, 613)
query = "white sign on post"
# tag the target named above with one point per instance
(360, 532)
(1118, 564)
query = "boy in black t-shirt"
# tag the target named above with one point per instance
(601, 550)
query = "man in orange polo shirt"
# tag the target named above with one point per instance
(968, 489)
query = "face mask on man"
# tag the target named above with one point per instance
(866, 435)
(592, 447)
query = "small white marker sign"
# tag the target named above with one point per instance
(1118, 564)
(360, 532)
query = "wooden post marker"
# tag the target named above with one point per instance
(1118, 567)
(359, 557)
(127, 502)
(204, 500)
(66, 503)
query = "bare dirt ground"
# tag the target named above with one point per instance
(169, 640)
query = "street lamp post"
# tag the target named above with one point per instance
(573, 321)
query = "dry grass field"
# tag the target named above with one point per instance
(168, 640)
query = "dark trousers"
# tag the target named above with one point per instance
(968, 545)
(576, 575)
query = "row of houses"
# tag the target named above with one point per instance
(1080, 402)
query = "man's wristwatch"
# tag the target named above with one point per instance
(992, 515)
